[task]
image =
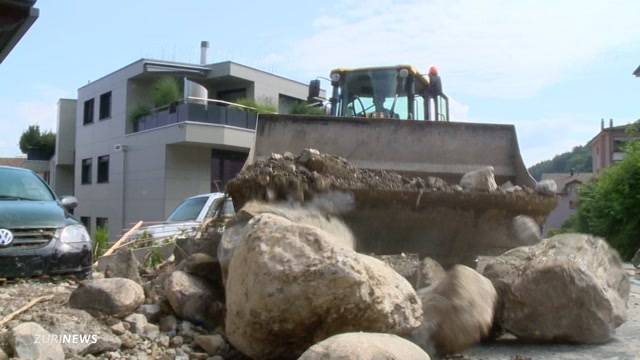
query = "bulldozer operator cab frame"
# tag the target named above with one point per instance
(397, 92)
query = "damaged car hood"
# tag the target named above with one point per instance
(26, 214)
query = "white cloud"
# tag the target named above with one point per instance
(488, 48)
(39, 109)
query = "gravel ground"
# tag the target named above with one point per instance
(625, 346)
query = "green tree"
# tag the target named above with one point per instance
(610, 205)
(34, 139)
(578, 159)
(165, 91)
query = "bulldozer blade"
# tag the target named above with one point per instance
(420, 148)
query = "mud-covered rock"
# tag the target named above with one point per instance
(291, 285)
(458, 311)
(479, 180)
(568, 288)
(364, 346)
(113, 296)
(204, 266)
(407, 265)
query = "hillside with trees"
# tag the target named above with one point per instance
(578, 159)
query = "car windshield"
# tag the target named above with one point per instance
(374, 93)
(188, 210)
(18, 184)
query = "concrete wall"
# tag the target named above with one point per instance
(98, 139)
(66, 132)
(188, 173)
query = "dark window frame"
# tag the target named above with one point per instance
(104, 111)
(102, 222)
(86, 171)
(103, 178)
(86, 221)
(88, 110)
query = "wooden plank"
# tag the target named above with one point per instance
(124, 237)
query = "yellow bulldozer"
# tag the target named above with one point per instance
(396, 119)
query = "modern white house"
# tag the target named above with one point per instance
(124, 169)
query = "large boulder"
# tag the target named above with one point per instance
(364, 346)
(291, 285)
(114, 296)
(31, 341)
(458, 311)
(194, 299)
(547, 187)
(479, 180)
(569, 288)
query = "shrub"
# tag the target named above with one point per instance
(260, 106)
(100, 242)
(610, 205)
(33, 139)
(138, 112)
(302, 108)
(165, 91)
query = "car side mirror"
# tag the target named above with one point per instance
(69, 202)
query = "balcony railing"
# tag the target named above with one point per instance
(208, 111)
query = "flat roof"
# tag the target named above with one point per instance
(16, 17)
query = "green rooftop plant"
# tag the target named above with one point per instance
(138, 112)
(262, 107)
(165, 91)
(302, 108)
(33, 139)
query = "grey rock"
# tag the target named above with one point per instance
(192, 298)
(568, 288)
(275, 253)
(364, 346)
(118, 328)
(168, 324)
(547, 187)
(458, 311)
(177, 341)
(150, 331)
(122, 264)
(151, 311)
(29, 340)
(204, 266)
(137, 323)
(212, 344)
(114, 296)
(479, 180)
(308, 154)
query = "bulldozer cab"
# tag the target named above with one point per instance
(396, 92)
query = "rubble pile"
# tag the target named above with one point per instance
(284, 281)
(288, 177)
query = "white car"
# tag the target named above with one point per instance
(189, 216)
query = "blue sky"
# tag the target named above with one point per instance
(552, 68)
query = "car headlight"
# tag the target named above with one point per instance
(74, 234)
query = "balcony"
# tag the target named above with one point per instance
(206, 111)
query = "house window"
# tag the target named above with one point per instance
(86, 221)
(86, 171)
(88, 112)
(105, 105)
(103, 169)
(102, 223)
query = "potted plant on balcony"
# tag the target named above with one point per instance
(166, 94)
(37, 145)
(136, 116)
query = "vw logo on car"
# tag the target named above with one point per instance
(6, 237)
